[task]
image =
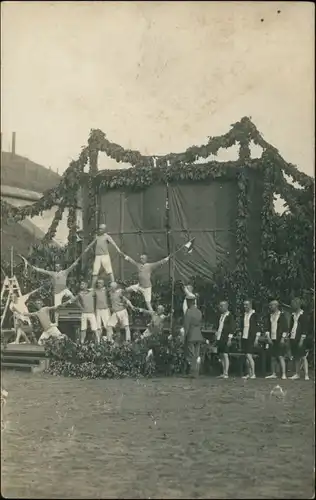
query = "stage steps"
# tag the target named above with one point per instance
(24, 357)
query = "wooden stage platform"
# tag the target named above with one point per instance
(25, 357)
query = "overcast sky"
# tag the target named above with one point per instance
(156, 76)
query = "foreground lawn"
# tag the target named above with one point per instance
(167, 438)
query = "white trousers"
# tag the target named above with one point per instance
(120, 317)
(52, 331)
(88, 318)
(102, 317)
(58, 298)
(145, 291)
(102, 261)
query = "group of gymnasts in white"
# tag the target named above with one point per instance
(101, 308)
(104, 309)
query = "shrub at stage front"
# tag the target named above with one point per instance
(107, 360)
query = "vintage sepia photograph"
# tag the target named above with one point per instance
(157, 249)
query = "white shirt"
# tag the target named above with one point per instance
(20, 305)
(19, 309)
(247, 317)
(295, 323)
(221, 325)
(274, 318)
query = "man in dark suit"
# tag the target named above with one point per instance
(193, 336)
(299, 326)
(249, 336)
(224, 335)
(276, 331)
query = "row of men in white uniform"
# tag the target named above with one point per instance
(98, 312)
(278, 336)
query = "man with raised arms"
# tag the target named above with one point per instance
(102, 257)
(59, 279)
(145, 270)
(19, 309)
(50, 329)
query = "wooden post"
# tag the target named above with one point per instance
(11, 262)
(13, 142)
(93, 170)
(122, 208)
(172, 292)
(93, 160)
(168, 229)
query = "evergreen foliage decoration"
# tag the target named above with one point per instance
(286, 264)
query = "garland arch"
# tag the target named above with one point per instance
(182, 166)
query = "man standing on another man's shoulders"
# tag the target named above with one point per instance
(102, 257)
(145, 270)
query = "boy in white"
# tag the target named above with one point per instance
(189, 294)
(157, 321)
(19, 308)
(145, 270)
(103, 312)
(50, 329)
(85, 298)
(102, 257)
(155, 327)
(119, 311)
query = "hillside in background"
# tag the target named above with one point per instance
(16, 236)
(18, 171)
(22, 173)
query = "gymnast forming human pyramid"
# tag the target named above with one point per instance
(108, 308)
(99, 309)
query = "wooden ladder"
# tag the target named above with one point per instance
(9, 287)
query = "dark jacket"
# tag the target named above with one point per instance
(192, 325)
(229, 327)
(282, 326)
(302, 326)
(253, 326)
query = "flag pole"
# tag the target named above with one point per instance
(172, 290)
(11, 262)
(180, 248)
(172, 255)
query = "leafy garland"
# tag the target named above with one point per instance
(142, 177)
(242, 241)
(176, 167)
(64, 195)
(173, 166)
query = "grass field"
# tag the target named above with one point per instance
(159, 438)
